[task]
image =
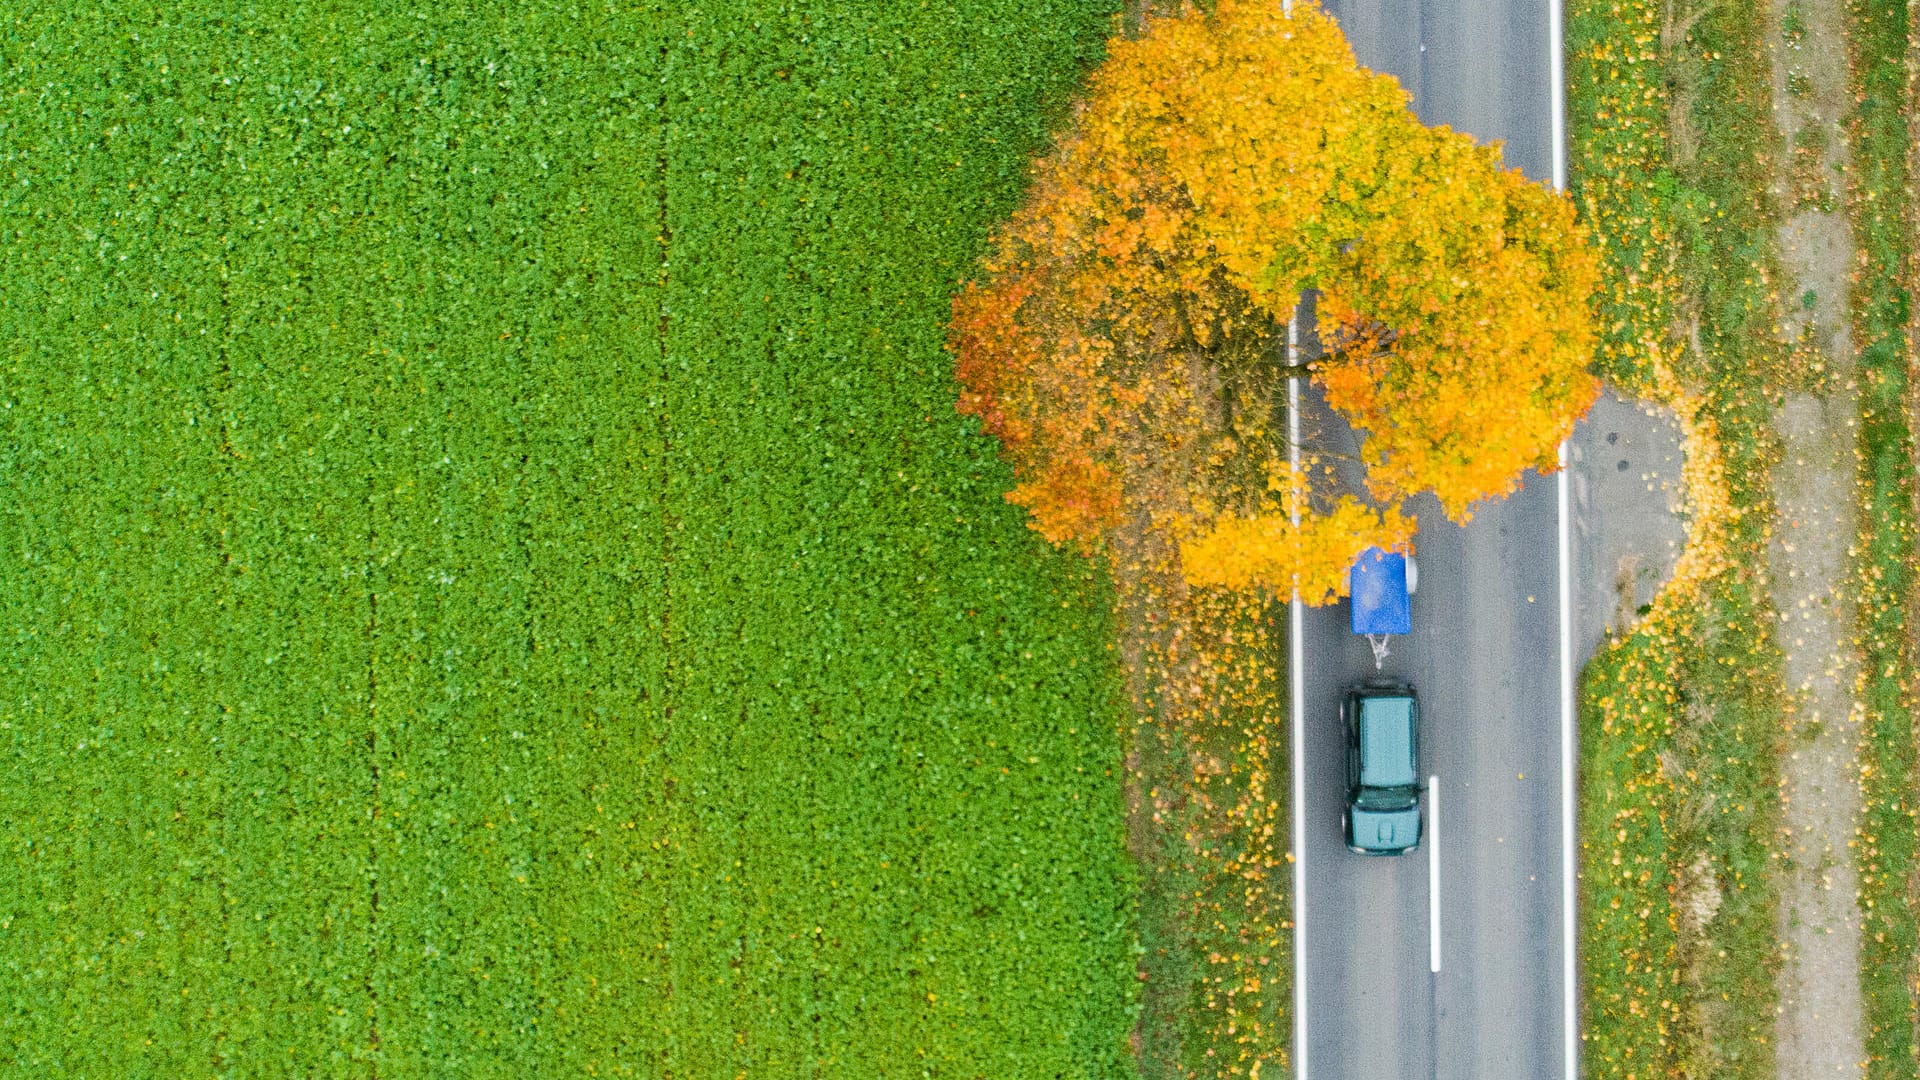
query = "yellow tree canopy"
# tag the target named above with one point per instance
(1125, 339)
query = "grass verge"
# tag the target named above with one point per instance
(1210, 792)
(1881, 200)
(1680, 721)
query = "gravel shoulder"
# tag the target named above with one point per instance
(1627, 499)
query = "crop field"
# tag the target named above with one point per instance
(492, 582)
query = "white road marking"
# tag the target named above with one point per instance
(1569, 927)
(1296, 680)
(1569, 970)
(1295, 667)
(1433, 874)
(1557, 100)
(1570, 1027)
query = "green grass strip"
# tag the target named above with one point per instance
(1882, 210)
(1619, 176)
(1633, 1008)
(1678, 899)
(1680, 722)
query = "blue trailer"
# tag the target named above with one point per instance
(1382, 584)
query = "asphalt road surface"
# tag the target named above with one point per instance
(1484, 658)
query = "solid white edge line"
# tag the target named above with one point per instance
(1297, 696)
(1569, 968)
(1557, 93)
(1433, 874)
(1568, 776)
(1295, 668)
(1296, 679)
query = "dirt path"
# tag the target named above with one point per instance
(1820, 1028)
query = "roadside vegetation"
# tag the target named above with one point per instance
(1882, 204)
(1669, 132)
(1126, 342)
(1208, 791)
(1672, 161)
(491, 579)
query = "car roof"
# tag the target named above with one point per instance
(1386, 741)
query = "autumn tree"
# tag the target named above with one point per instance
(1126, 340)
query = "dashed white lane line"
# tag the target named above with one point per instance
(1433, 874)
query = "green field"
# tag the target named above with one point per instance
(492, 582)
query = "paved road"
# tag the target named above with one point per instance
(1484, 656)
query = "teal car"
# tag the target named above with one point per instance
(1383, 769)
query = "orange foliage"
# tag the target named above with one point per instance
(1242, 552)
(1126, 341)
(1076, 497)
(1126, 344)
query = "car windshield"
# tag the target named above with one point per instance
(1386, 799)
(1386, 742)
